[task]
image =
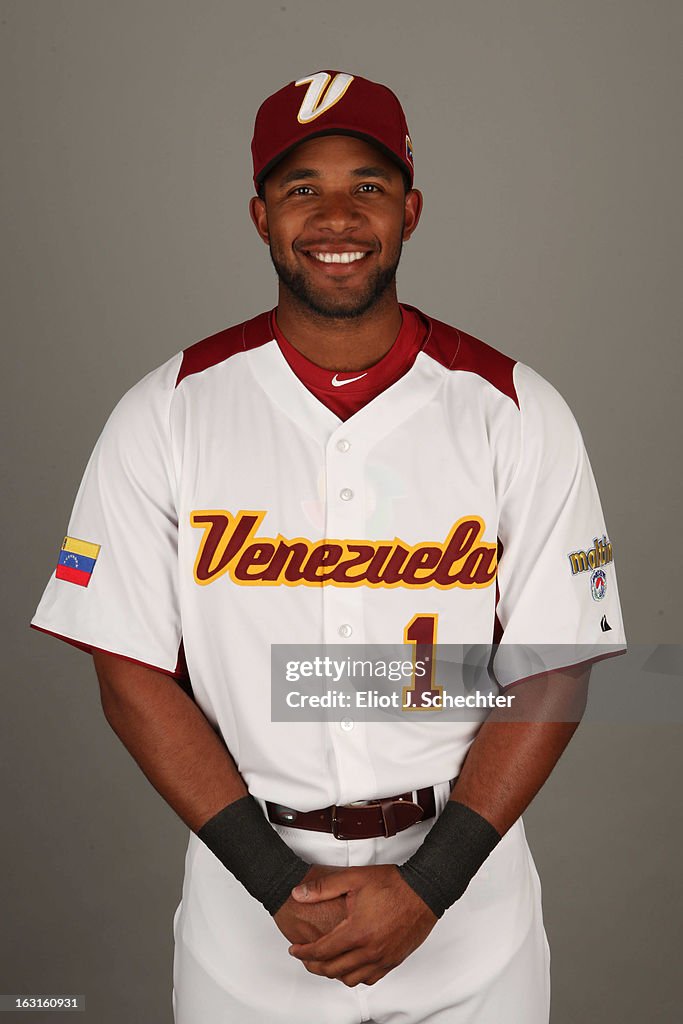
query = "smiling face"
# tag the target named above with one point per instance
(335, 214)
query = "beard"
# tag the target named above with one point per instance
(346, 304)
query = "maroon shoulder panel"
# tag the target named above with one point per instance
(221, 346)
(457, 350)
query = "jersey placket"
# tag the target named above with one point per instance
(343, 606)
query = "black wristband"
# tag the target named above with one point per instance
(247, 844)
(453, 851)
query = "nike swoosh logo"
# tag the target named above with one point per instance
(340, 383)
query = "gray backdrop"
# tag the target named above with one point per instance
(547, 142)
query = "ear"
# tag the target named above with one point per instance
(413, 209)
(257, 211)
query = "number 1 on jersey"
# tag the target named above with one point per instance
(421, 632)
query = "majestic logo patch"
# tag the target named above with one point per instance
(322, 93)
(76, 561)
(599, 554)
(598, 584)
(230, 545)
(604, 624)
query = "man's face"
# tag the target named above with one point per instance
(335, 215)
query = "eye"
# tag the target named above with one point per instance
(369, 187)
(301, 190)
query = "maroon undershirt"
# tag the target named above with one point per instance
(347, 399)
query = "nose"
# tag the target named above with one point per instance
(337, 213)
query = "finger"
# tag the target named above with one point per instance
(340, 940)
(347, 964)
(327, 887)
(367, 975)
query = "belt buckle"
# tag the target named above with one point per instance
(335, 823)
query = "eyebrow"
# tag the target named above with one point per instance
(371, 172)
(297, 174)
(307, 173)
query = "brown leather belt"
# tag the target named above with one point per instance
(383, 817)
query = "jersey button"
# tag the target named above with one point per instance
(346, 494)
(345, 630)
(346, 724)
(343, 445)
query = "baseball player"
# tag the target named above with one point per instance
(342, 469)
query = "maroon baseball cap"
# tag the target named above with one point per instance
(330, 103)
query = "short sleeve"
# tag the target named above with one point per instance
(558, 602)
(115, 586)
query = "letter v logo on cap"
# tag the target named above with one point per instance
(322, 93)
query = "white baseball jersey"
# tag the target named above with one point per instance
(224, 509)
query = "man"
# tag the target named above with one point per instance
(341, 470)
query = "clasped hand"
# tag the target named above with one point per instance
(354, 924)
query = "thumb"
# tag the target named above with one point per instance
(327, 887)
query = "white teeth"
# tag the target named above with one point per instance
(338, 257)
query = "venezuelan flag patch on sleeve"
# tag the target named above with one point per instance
(76, 561)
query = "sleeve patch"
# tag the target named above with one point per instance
(600, 554)
(76, 561)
